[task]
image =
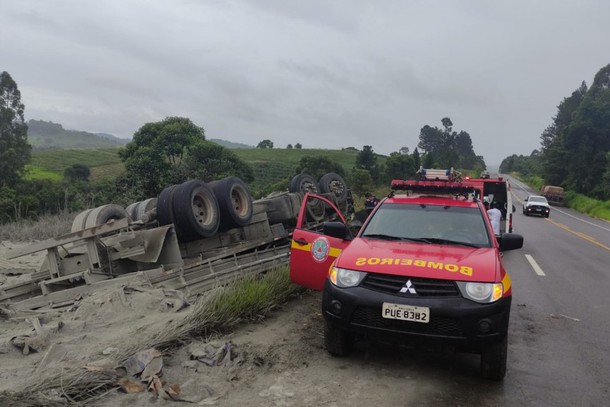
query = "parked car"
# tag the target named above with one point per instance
(425, 268)
(536, 205)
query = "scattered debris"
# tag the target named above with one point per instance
(38, 341)
(212, 354)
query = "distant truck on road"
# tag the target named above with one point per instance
(554, 194)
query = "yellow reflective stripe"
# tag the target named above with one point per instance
(298, 246)
(333, 252)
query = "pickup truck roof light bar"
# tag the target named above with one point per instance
(433, 187)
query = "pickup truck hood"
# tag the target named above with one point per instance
(447, 262)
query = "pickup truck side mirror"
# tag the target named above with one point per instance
(510, 241)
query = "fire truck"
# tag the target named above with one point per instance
(424, 269)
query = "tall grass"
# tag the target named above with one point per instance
(590, 206)
(45, 227)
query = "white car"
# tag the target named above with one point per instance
(536, 205)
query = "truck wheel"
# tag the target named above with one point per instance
(131, 210)
(165, 214)
(333, 183)
(234, 202)
(493, 360)
(337, 341)
(303, 183)
(195, 210)
(143, 207)
(79, 221)
(105, 213)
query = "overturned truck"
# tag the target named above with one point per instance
(193, 237)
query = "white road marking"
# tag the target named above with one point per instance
(582, 220)
(534, 265)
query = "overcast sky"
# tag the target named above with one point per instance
(326, 74)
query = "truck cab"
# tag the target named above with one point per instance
(498, 191)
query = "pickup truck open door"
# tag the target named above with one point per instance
(312, 253)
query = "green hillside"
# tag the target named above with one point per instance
(45, 135)
(269, 165)
(103, 162)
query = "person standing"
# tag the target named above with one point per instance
(495, 216)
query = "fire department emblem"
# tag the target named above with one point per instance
(319, 249)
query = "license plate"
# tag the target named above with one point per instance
(405, 312)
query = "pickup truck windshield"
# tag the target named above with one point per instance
(432, 224)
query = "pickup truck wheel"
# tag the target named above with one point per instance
(334, 184)
(234, 202)
(195, 210)
(337, 341)
(105, 213)
(493, 360)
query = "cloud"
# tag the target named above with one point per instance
(326, 74)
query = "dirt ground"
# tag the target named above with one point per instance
(277, 361)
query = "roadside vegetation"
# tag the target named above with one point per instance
(575, 148)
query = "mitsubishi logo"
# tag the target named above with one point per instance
(408, 287)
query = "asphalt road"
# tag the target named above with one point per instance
(559, 344)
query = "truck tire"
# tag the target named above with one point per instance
(165, 213)
(105, 213)
(334, 184)
(131, 210)
(303, 183)
(79, 221)
(195, 210)
(493, 360)
(234, 202)
(336, 341)
(143, 207)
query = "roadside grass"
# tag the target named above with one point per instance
(219, 311)
(45, 227)
(594, 207)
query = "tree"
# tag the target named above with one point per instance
(15, 151)
(366, 160)
(449, 148)
(298, 146)
(265, 144)
(289, 147)
(575, 146)
(77, 172)
(399, 166)
(209, 161)
(172, 151)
